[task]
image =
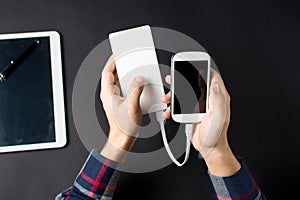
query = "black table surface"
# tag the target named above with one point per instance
(256, 46)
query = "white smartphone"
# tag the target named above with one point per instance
(190, 72)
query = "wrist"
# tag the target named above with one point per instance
(221, 161)
(117, 146)
(121, 140)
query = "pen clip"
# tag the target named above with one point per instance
(2, 78)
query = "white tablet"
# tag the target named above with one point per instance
(32, 112)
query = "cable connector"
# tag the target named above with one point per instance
(188, 130)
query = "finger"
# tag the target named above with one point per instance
(167, 113)
(116, 90)
(213, 72)
(216, 77)
(166, 98)
(168, 79)
(116, 78)
(107, 92)
(201, 82)
(109, 80)
(108, 77)
(135, 91)
(110, 65)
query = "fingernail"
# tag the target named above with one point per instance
(140, 79)
(168, 79)
(217, 88)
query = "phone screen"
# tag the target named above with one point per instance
(190, 86)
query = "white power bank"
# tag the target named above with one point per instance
(135, 55)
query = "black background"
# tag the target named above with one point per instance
(256, 46)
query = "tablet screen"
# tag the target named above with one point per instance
(26, 99)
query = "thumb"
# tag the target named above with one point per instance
(217, 99)
(219, 104)
(218, 115)
(135, 91)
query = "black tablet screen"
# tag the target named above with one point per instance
(26, 106)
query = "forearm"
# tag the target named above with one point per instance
(96, 180)
(98, 177)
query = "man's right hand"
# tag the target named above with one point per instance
(210, 135)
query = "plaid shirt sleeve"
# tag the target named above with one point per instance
(239, 186)
(96, 180)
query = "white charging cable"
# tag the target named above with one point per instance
(188, 132)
